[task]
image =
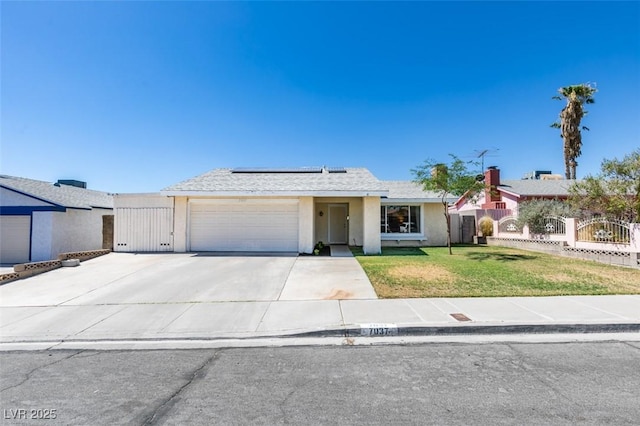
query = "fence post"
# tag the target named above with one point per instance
(634, 234)
(525, 232)
(496, 229)
(570, 231)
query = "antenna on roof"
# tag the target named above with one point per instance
(485, 153)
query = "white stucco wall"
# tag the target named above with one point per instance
(60, 232)
(141, 200)
(41, 236)
(435, 225)
(77, 230)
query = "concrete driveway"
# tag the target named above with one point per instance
(124, 278)
(169, 296)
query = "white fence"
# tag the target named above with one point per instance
(609, 241)
(602, 230)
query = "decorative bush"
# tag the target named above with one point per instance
(486, 226)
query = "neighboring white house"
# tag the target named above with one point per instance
(281, 210)
(39, 220)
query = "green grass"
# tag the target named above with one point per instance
(481, 271)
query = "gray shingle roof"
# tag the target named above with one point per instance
(530, 188)
(63, 195)
(408, 190)
(224, 182)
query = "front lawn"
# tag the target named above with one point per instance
(481, 271)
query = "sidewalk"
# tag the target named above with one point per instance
(47, 326)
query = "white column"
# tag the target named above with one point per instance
(371, 224)
(306, 224)
(570, 231)
(180, 215)
(634, 234)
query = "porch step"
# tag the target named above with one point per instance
(340, 250)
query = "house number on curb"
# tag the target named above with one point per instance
(378, 329)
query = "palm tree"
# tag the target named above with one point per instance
(569, 124)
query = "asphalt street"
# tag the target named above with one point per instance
(439, 383)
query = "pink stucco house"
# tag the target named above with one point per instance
(502, 198)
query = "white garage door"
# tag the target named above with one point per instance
(15, 233)
(244, 226)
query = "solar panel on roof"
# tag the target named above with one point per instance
(277, 170)
(336, 170)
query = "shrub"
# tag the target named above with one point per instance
(534, 212)
(486, 226)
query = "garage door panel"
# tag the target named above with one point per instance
(15, 241)
(244, 227)
(145, 229)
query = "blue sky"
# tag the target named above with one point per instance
(136, 96)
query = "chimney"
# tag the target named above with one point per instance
(492, 181)
(439, 170)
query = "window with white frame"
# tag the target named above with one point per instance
(400, 220)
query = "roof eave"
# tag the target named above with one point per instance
(515, 194)
(35, 197)
(417, 200)
(335, 193)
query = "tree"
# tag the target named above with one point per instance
(570, 117)
(615, 192)
(534, 213)
(452, 179)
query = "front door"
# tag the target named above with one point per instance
(338, 224)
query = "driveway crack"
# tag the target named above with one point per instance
(293, 264)
(163, 409)
(97, 322)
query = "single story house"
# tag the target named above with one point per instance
(508, 194)
(280, 210)
(503, 197)
(39, 220)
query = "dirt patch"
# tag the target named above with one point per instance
(594, 273)
(338, 294)
(559, 277)
(424, 273)
(385, 291)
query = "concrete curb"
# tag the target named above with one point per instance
(352, 332)
(472, 330)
